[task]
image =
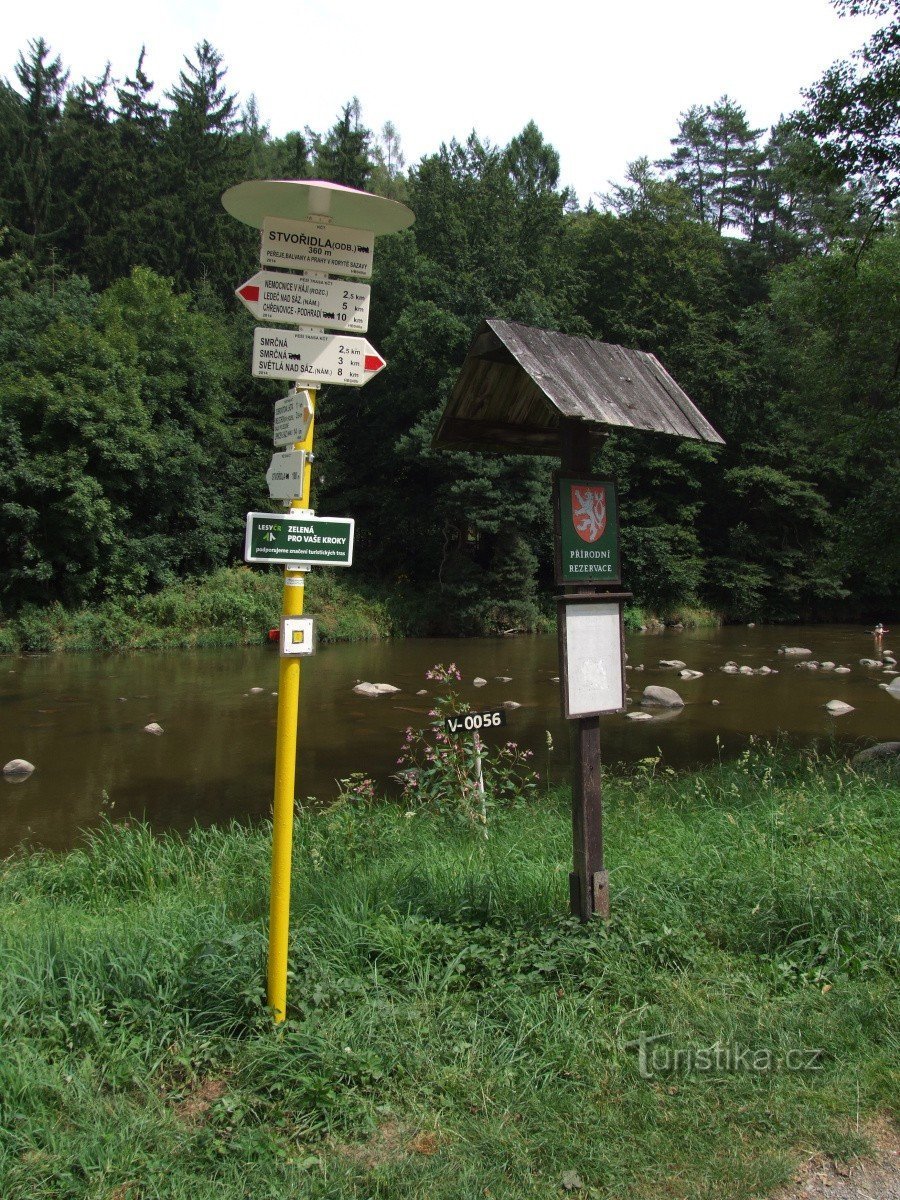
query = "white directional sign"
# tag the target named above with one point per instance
(285, 475)
(309, 357)
(293, 415)
(316, 246)
(307, 300)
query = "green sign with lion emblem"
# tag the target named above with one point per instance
(587, 531)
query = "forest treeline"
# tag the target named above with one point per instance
(761, 266)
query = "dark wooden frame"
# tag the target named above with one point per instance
(617, 598)
(586, 580)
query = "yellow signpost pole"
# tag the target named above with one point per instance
(285, 769)
(325, 229)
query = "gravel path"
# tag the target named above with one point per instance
(876, 1177)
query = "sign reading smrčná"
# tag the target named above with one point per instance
(586, 524)
(288, 538)
(310, 357)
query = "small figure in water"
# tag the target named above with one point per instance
(878, 633)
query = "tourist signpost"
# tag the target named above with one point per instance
(293, 417)
(309, 357)
(323, 229)
(286, 473)
(317, 246)
(307, 300)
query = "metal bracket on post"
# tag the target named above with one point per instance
(600, 894)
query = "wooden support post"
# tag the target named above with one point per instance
(588, 882)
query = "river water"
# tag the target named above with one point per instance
(80, 718)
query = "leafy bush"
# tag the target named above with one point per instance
(460, 777)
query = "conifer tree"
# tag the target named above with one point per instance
(344, 155)
(35, 113)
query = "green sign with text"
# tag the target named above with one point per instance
(283, 538)
(587, 531)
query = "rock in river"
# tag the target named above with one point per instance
(375, 689)
(663, 696)
(478, 681)
(675, 663)
(639, 716)
(838, 708)
(893, 688)
(154, 728)
(793, 651)
(687, 674)
(18, 769)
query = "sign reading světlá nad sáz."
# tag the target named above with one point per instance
(586, 524)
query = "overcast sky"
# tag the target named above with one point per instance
(604, 80)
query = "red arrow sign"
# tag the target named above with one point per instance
(307, 300)
(372, 363)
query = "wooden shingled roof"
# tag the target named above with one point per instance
(517, 382)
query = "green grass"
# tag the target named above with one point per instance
(452, 1033)
(232, 607)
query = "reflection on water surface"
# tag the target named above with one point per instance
(80, 718)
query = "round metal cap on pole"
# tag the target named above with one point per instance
(301, 199)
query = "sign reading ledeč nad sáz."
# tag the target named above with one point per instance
(307, 300)
(286, 538)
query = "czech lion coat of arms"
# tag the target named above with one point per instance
(588, 511)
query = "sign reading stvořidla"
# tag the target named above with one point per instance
(285, 475)
(311, 246)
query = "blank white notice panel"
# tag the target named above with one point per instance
(594, 675)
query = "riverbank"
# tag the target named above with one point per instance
(235, 606)
(451, 1032)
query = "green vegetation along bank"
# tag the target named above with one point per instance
(235, 606)
(452, 1033)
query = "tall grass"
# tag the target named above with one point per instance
(452, 1033)
(232, 607)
